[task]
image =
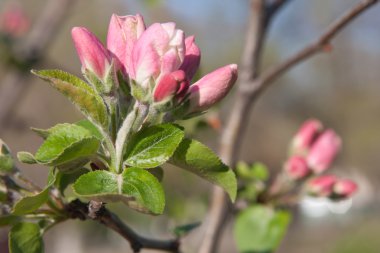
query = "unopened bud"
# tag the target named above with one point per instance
(324, 151)
(211, 88)
(345, 188)
(171, 87)
(296, 168)
(321, 186)
(92, 54)
(305, 136)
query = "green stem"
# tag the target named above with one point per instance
(132, 123)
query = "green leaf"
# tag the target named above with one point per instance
(67, 144)
(65, 179)
(260, 229)
(26, 238)
(79, 93)
(6, 220)
(185, 229)
(6, 164)
(257, 171)
(30, 204)
(91, 128)
(153, 145)
(44, 133)
(135, 187)
(195, 157)
(26, 157)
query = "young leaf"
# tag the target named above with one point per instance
(153, 146)
(135, 187)
(91, 128)
(195, 157)
(185, 229)
(30, 204)
(6, 164)
(65, 179)
(67, 144)
(78, 92)
(6, 220)
(26, 238)
(26, 157)
(6, 160)
(260, 229)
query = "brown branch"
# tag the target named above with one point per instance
(323, 42)
(79, 210)
(251, 85)
(30, 53)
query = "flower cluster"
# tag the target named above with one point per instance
(312, 152)
(155, 63)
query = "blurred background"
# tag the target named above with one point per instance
(340, 88)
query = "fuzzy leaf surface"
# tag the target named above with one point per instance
(153, 146)
(82, 95)
(136, 187)
(67, 144)
(197, 158)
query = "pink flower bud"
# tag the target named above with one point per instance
(192, 58)
(306, 136)
(170, 85)
(296, 168)
(159, 50)
(211, 88)
(92, 54)
(323, 151)
(321, 186)
(345, 188)
(123, 32)
(13, 21)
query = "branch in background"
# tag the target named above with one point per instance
(80, 210)
(252, 84)
(30, 53)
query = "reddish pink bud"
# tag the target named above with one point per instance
(212, 88)
(13, 21)
(159, 50)
(123, 32)
(345, 188)
(192, 58)
(324, 151)
(92, 54)
(321, 186)
(296, 167)
(306, 136)
(170, 85)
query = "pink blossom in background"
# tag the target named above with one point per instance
(306, 136)
(324, 151)
(13, 21)
(296, 167)
(321, 186)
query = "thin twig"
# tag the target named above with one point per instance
(79, 210)
(251, 85)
